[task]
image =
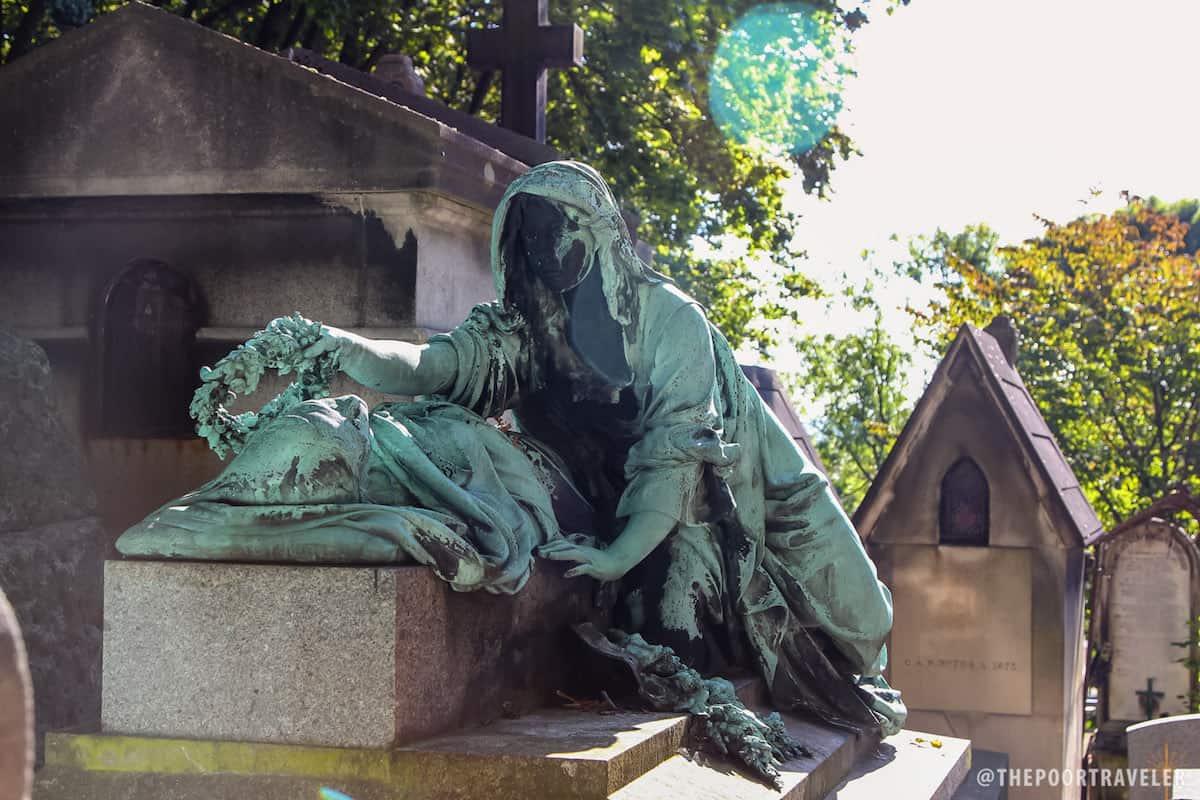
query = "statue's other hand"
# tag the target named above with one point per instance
(595, 563)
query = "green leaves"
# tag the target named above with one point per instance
(1109, 313)
(857, 383)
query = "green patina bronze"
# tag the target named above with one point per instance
(726, 726)
(639, 453)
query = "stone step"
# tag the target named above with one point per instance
(564, 754)
(908, 766)
(700, 777)
(991, 764)
(551, 754)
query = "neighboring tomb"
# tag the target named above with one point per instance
(1146, 600)
(977, 524)
(50, 542)
(1166, 756)
(173, 189)
(775, 397)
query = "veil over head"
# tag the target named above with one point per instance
(584, 197)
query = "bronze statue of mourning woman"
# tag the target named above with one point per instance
(638, 453)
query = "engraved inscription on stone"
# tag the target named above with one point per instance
(962, 639)
(1149, 607)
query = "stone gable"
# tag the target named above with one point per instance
(142, 102)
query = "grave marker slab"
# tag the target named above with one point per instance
(1163, 746)
(1148, 590)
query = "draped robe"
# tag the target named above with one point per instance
(761, 567)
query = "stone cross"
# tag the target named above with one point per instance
(1148, 698)
(523, 49)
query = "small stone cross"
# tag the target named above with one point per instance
(1148, 698)
(523, 49)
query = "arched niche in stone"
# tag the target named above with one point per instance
(963, 505)
(146, 362)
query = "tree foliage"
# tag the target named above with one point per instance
(638, 111)
(1108, 308)
(856, 384)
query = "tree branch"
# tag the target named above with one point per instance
(22, 41)
(217, 14)
(294, 28)
(481, 89)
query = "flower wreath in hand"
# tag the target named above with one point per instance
(281, 347)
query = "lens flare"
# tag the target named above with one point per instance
(777, 77)
(332, 794)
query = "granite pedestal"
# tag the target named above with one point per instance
(332, 656)
(226, 681)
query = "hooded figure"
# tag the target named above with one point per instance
(723, 539)
(740, 553)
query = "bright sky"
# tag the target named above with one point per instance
(993, 110)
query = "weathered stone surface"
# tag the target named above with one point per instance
(910, 765)
(956, 649)
(171, 107)
(546, 754)
(1148, 591)
(1185, 783)
(49, 543)
(254, 653)
(981, 782)
(16, 710)
(551, 754)
(41, 474)
(1162, 746)
(700, 777)
(52, 577)
(348, 657)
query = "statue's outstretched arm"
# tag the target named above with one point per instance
(388, 366)
(643, 532)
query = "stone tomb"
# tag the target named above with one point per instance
(50, 543)
(977, 524)
(1147, 592)
(217, 186)
(227, 681)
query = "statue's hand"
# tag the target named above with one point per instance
(598, 564)
(335, 339)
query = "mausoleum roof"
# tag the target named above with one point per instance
(775, 396)
(143, 102)
(1003, 385)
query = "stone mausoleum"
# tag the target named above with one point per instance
(978, 525)
(173, 189)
